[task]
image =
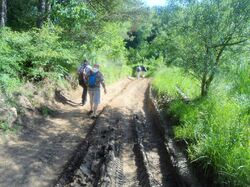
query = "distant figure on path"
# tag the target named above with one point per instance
(143, 70)
(95, 80)
(83, 70)
(138, 71)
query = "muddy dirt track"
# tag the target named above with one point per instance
(122, 147)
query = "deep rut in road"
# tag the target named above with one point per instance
(124, 147)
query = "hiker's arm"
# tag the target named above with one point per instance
(103, 83)
(84, 76)
(104, 87)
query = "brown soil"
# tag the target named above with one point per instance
(124, 146)
(39, 153)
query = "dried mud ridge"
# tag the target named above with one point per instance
(115, 138)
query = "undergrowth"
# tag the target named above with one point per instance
(34, 63)
(6, 128)
(167, 80)
(216, 127)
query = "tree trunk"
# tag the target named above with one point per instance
(3, 13)
(203, 88)
(47, 9)
(41, 12)
(205, 84)
(205, 74)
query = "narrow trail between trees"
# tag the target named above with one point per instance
(122, 147)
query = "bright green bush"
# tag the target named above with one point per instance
(44, 53)
(50, 54)
(33, 55)
(152, 65)
(9, 84)
(11, 51)
(108, 50)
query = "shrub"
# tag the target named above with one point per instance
(33, 55)
(40, 50)
(4, 126)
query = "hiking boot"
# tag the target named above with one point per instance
(90, 112)
(83, 103)
(93, 116)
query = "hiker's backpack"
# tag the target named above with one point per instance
(80, 74)
(92, 80)
(138, 68)
(143, 68)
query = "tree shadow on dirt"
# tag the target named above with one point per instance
(61, 98)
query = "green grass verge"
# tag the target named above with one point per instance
(167, 79)
(216, 127)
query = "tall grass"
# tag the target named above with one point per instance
(216, 127)
(167, 80)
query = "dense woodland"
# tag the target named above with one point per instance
(200, 47)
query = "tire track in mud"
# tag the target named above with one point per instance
(123, 147)
(153, 155)
(81, 150)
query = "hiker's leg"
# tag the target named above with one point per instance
(97, 99)
(95, 109)
(82, 91)
(91, 97)
(84, 94)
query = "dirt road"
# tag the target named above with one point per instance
(120, 148)
(124, 148)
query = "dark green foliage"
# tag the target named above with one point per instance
(22, 14)
(34, 55)
(72, 15)
(74, 30)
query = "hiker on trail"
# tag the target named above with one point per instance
(95, 80)
(143, 70)
(83, 71)
(138, 71)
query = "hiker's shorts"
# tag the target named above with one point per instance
(95, 95)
